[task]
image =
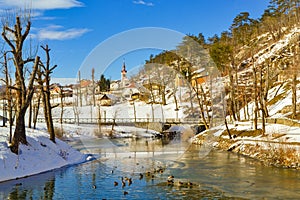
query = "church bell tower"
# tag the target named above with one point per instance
(123, 75)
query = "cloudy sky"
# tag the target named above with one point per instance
(74, 29)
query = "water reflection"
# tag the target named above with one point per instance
(218, 175)
(40, 186)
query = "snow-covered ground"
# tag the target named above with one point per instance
(40, 155)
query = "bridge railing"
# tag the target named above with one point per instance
(101, 120)
(122, 120)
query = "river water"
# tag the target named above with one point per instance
(214, 174)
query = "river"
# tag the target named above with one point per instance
(213, 174)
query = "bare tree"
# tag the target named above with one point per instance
(46, 70)
(93, 87)
(15, 38)
(202, 102)
(255, 120)
(8, 95)
(61, 95)
(80, 92)
(295, 69)
(36, 108)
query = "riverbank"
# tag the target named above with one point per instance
(279, 146)
(40, 155)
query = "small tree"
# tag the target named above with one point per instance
(45, 70)
(93, 87)
(61, 95)
(8, 96)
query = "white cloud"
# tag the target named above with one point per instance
(40, 4)
(54, 32)
(141, 2)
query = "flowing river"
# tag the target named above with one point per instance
(199, 173)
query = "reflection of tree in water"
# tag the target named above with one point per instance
(19, 193)
(49, 189)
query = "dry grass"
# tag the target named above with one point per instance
(243, 133)
(59, 132)
(98, 133)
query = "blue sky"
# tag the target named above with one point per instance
(74, 29)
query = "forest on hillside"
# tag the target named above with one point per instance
(244, 55)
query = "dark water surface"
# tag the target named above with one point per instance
(214, 174)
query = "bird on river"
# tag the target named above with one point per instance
(129, 181)
(189, 183)
(170, 177)
(170, 182)
(141, 176)
(116, 183)
(123, 183)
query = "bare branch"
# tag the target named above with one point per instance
(28, 60)
(52, 68)
(27, 30)
(8, 42)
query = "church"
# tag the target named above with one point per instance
(123, 82)
(124, 79)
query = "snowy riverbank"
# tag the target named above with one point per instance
(279, 146)
(40, 155)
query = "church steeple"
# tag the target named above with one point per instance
(123, 74)
(124, 71)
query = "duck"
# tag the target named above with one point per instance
(123, 183)
(125, 193)
(94, 186)
(129, 181)
(170, 182)
(171, 177)
(141, 176)
(116, 183)
(180, 183)
(189, 183)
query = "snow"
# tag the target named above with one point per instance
(40, 155)
(278, 46)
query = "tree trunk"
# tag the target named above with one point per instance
(93, 87)
(255, 98)
(200, 103)
(227, 129)
(30, 115)
(232, 95)
(262, 104)
(294, 95)
(61, 104)
(19, 134)
(80, 92)
(50, 121)
(36, 111)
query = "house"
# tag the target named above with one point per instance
(105, 100)
(56, 90)
(115, 85)
(199, 77)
